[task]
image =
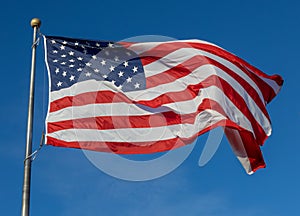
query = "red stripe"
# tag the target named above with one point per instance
(179, 71)
(149, 59)
(122, 148)
(250, 147)
(136, 147)
(98, 97)
(125, 43)
(144, 121)
(164, 49)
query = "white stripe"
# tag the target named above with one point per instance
(140, 48)
(171, 60)
(203, 120)
(122, 109)
(238, 148)
(82, 87)
(273, 84)
(183, 107)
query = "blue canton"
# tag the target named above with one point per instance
(73, 60)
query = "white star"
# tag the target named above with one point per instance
(96, 70)
(79, 69)
(97, 44)
(63, 63)
(62, 47)
(63, 56)
(55, 60)
(120, 87)
(112, 68)
(135, 69)
(113, 81)
(76, 43)
(80, 58)
(104, 76)
(110, 45)
(72, 78)
(120, 73)
(55, 51)
(125, 63)
(64, 73)
(64, 42)
(71, 66)
(88, 74)
(136, 85)
(88, 64)
(57, 70)
(116, 58)
(59, 84)
(94, 57)
(71, 60)
(103, 62)
(53, 41)
(71, 53)
(129, 79)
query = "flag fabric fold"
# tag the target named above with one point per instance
(147, 97)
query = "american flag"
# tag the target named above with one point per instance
(146, 97)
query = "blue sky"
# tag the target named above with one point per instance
(64, 182)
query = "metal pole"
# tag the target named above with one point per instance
(35, 24)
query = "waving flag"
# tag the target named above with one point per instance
(146, 97)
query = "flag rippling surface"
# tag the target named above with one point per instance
(146, 97)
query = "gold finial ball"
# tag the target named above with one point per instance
(35, 22)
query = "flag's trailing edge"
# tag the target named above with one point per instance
(146, 97)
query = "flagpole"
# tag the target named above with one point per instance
(35, 24)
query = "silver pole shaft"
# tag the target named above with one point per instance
(35, 23)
